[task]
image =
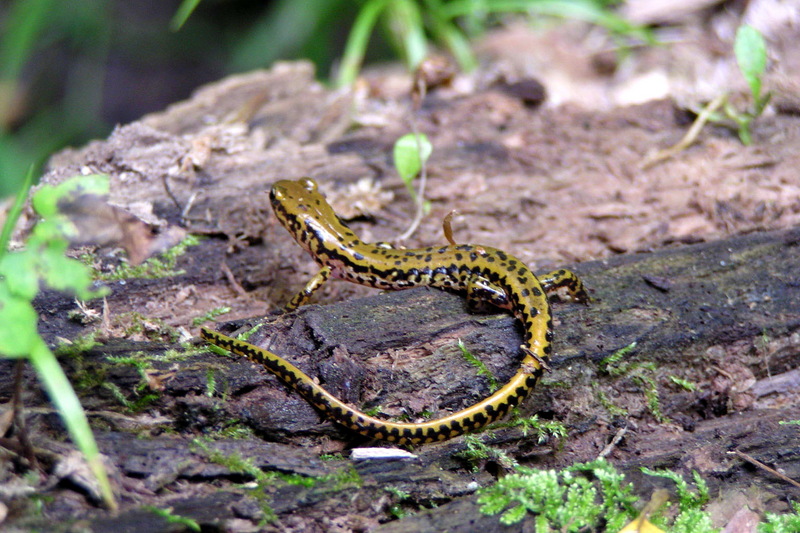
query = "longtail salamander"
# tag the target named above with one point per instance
(485, 274)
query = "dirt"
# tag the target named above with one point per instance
(562, 183)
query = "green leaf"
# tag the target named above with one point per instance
(45, 201)
(18, 319)
(751, 54)
(409, 154)
(21, 274)
(65, 274)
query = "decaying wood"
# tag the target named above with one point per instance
(397, 350)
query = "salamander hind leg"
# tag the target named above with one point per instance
(566, 281)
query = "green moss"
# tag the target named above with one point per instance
(785, 523)
(544, 428)
(265, 480)
(154, 268)
(234, 429)
(153, 329)
(640, 373)
(612, 408)
(683, 383)
(331, 457)
(690, 518)
(476, 451)
(581, 497)
(77, 346)
(171, 518)
(210, 315)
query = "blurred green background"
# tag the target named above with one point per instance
(71, 70)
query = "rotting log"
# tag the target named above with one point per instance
(697, 312)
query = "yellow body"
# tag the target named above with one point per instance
(484, 274)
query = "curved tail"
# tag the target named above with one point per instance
(469, 419)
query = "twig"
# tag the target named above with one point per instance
(690, 136)
(761, 465)
(19, 416)
(238, 289)
(611, 445)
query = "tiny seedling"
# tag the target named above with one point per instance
(751, 56)
(411, 152)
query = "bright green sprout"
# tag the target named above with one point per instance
(479, 365)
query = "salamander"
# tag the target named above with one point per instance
(484, 274)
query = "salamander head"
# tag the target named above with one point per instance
(308, 216)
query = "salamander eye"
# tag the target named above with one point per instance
(309, 184)
(278, 193)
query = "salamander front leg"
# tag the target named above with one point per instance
(302, 297)
(560, 279)
(481, 293)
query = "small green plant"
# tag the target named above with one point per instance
(544, 428)
(751, 56)
(685, 384)
(781, 523)
(154, 267)
(167, 514)
(211, 382)
(21, 274)
(411, 152)
(640, 373)
(479, 365)
(331, 457)
(396, 510)
(605, 401)
(476, 451)
(210, 315)
(691, 518)
(133, 406)
(345, 477)
(562, 501)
